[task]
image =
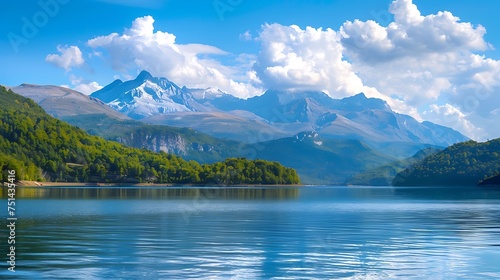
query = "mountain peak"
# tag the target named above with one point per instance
(115, 83)
(360, 102)
(209, 93)
(360, 95)
(146, 96)
(144, 75)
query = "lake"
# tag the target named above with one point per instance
(251, 233)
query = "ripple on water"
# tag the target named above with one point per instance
(316, 234)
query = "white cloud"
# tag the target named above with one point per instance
(305, 59)
(83, 86)
(68, 58)
(88, 88)
(410, 35)
(419, 57)
(247, 36)
(292, 58)
(192, 65)
(451, 116)
(426, 59)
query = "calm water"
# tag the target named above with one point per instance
(238, 233)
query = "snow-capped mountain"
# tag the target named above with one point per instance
(278, 113)
(147, 96)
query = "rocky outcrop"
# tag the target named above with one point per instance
(169, 143)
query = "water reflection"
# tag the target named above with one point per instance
(246, 193)
(452, 193)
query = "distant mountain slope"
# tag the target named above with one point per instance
(227, 125)
(63, 102)
(384, 175)
(38, 146)
(276, 112)
(319, 160)
(355, 117)
(461, 164)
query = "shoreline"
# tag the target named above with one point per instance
(100, 185)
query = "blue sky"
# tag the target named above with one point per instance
(442, 67)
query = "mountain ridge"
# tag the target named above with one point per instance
(281, 112)
(262, 140)
(60, 101)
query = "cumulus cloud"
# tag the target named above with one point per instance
(418, 56)
(305, 59)
(410, 35)
(426, 59)
(192, 65)
(294, 59)
(68, 58)
(451, 116)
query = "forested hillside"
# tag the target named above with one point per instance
(40, 147)
(465, 163)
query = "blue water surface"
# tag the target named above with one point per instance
(321, 232)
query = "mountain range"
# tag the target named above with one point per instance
(326, 140)
(273, 115)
